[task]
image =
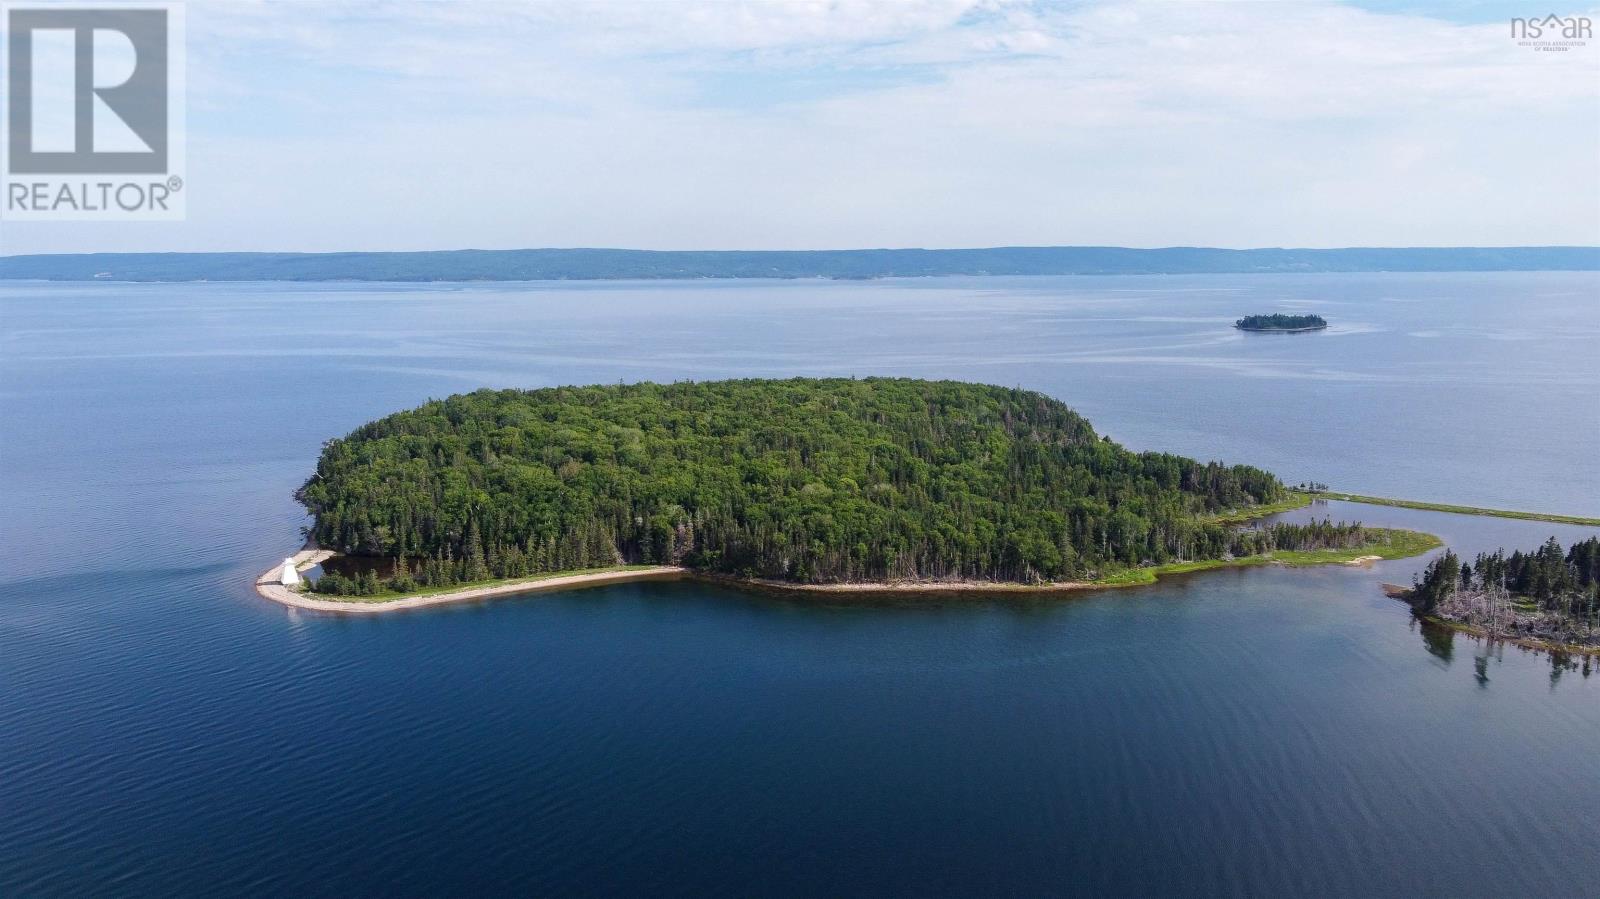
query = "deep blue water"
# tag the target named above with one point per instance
(1263, 731)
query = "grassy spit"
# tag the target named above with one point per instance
(1458, 510)
(1391, 543)
(1299, 500)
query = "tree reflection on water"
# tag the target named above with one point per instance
(1439, 641)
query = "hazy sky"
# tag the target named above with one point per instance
(325, 126)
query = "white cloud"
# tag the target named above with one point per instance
(814, 124)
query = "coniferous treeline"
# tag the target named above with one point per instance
(1548, 593)
(1280, 322)
(1545, 574)
(1324, 534)
(809, 480)
(411, 575)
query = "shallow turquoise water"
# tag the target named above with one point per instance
(1260, 731)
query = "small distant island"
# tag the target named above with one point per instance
(1280, 322)
(811, 484)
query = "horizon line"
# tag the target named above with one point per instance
(916, 249)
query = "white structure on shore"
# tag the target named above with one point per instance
(289, 577)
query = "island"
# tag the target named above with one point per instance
(1548, 598)
(805, 484)
(1280, 322)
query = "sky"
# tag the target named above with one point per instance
(934, 123)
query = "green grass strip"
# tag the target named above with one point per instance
(1459, 510)
(1298, 500)
(1391, 543)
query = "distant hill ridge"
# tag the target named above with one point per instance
(597, 264)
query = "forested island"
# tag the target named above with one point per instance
(803, 481)
(1280, 322)
(1550, 596)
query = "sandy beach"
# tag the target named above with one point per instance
(267, 586)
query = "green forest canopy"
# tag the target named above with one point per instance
(802, 479)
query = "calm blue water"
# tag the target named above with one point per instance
(163, 731)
